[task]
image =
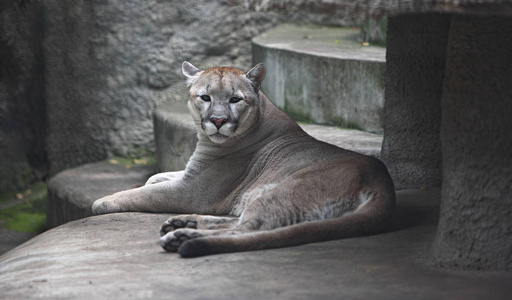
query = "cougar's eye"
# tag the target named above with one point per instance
(205, 98)
(235, 99)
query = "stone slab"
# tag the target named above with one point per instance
(323, 74)
(118, 256)
(71, 193)
(175, 137)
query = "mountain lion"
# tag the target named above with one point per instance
(253, 162)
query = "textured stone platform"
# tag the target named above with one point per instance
(117, 256)
(71, 193)
(323, 74)
(175, 137)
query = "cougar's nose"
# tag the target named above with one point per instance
(218, 122)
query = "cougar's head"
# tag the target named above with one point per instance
(224, 102)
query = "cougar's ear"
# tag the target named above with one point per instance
(256, 75)
(190, 71)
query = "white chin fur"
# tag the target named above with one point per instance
(218, 138)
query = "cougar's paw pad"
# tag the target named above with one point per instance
(175, 223)
(173, 240)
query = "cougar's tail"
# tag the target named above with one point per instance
(303, 233)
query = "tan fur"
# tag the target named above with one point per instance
(281, 186)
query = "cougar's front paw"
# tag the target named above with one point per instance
(105, 205)
(172, 241)
(173, 223)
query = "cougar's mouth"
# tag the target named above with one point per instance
(218, 138)
(219, 135)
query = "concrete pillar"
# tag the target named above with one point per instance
(415, 57)
(475, 226)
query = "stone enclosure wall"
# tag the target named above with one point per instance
(22, 121)
(80, 79)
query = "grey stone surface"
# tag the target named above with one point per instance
(416, 53)
(475, 227)
(117, 256)
(109, 63)
(175, 136)
(11, 239)
(323, 75)
(22, 128)
(72, 192)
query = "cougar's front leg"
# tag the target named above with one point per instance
(166, 196)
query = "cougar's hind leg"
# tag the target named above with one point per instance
(197, 222)
(307, 207)
(308, 195)
(272, 210)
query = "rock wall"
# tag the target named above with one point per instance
(362, 9)
(109, 63)
(22, 118)
(415, 58)
(79, 79)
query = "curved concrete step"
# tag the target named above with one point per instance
(324, 75)
(72, 192)
(117, 256)
(175, 137)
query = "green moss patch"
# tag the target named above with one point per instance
(7, 196)
(28, 213)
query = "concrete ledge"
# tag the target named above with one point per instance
(72, 192)
(117, 256)
(175, 137)
(323, 75)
